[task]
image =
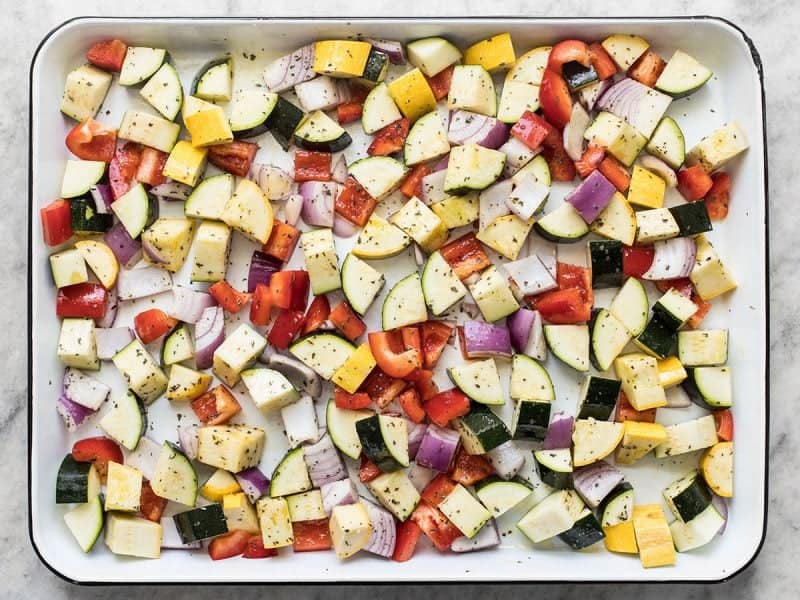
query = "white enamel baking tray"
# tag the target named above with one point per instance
(734, 92)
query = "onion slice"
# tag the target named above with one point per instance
(188, 440)
(483, 340)
(338, 493)
(673, 258)
(595, 481)
(292, 209)
(466, 127)
(209, 333)
(276, 183)
(492, 203)
(188, 304)
(339, 170)
(253, 483)
(127, 250)
(438, 448)
(142, 281)
(384, 531)
(660, 168)
(262, 266)
(517, 154)
(527, 333)
(73, 414)
(287, 71)
(391, 48)
(111, 340)
(573, 132)
(171, 190)
(531, 276)
(103, 197)
(636, 104)
(323, 462)
(487, 537)
(416, 431)
(559, 432)
(112, 309)
(506, 459)
(318, 200)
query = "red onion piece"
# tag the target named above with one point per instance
(442, 164)
(578, 123)
(344, 228)
(466, 127)
(144, 458)
(589, 95)
(276, 183)
(635, 103)
(559, 432)
(419, 255)
(111, 340)
(339, 170)
(152, 253)
(292, 209)
(127, 250)
(492, 203)
(384, 531)
(84, 390)
(527, 333)
(112, 308)
(262, 266)
(318, 199)
(187, 439)
(188, 304)
(595, 481)
(286, 72)
(253, 483)
(528, 197)
(103, 197)
(483, 340)
(391, 48)
(209, 333)
(438, 448)
(517, 154)
(338, 493)
(660, 168)
(592, 196)
(432, 189)
(73, 414)
(416, 432)
(506, 459)
(487, 537)
(673, 258)
(323, 462)
(171, 190)
(320, 93)
(141, 282)
(420, 476)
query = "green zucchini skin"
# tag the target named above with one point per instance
(72, 482)
(376, 68)
(605, 258)
(600, 398)
(334, 145)
(657, 337)
(608, 502)
(585, 532)
(85, 218)
(578, 76)
(534, 417)
(692, 218)
(374, 446)
(282, 122)
(214, 62)
(201, 523)
(487, 429)
(692, 500)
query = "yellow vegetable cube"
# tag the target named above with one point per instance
(493, 54)
(653, 536)
(647, 189)
(186, 384)
(638, 439)
(710, 276)
(170, 239)
(355, 369)
(457, 211)
(670, 371)
(276, 525)
(350, 529)
(506, 235)
(123, 487)
(412, 94)
(640, 380)
(621, 538)
(341, 58)
(219, 485)
(421, 224)
(185, 163)
(208, 127)
(240, 513)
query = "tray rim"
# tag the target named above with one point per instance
(759, 67)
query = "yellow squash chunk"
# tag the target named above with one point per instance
(640, 380)
(412, 94)
(670, 371)
(240, 513)
(638, 439)
(457, 211)
(647, 189)
(169, 239)
(276, 525)
(710, 276)
(341, 58)
(355, 369)
(506, 235)
(123, 487)
(219, 485)
(186, 384)
(350, 529)
(230, 447)
(101, 260)
(594, 440)
(653, 536)
(717, 468)
(621, 538)
(421, 224)
(185, 163)
(493, 54)
(208, 127)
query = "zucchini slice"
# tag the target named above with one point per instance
(404, 304)
(657, 339)
(175, 478)
(564, 225)
(717, 468)
(290, 476)
(283, 121)
(617, 507)
(361, 283)
(481, 430)
(426, 140)
(214, 80)
(554, 467)
(380, 110)
(322, 352)
(698, 532)
(163, 91)
(384, 440)
(570, 344)
(530, 381)
(594, 440)
(76, 481)
(710, 387)
(688, 496)
(341, 424)
(440, 285)
(251, 111)
(500, 496)
(126, 421)
(598, 397)
(609, 338)
(553, 515)
(585, 531)
(682, 75)
(321, 133)
(140, 64)
(85, 522)
(630, 306)
(480, 380)
(201, 523)
(605, 258)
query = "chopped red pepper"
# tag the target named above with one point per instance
(555, 99)
(100, 451)
(310, 536)
(561, 166)
(390, 139)
(531, 130)
(290, 289)
(465, 255)
(261, 307)
(56, 222)
(282, 241)
(424, 383)
(647, 68)
(703, 307)
(391, 355)
(349, 112)
(615, 172)
(626, 412)
(568, 51)
(229, 544)
(469, 469)
(446, 406)
(411, 338)
(636, 260)
(151, 166)
(235, 157)
(354, 203)
(381, 387)
(724, 422)
(344, 399)
(318, 312)
(602, 61)
(312, 166)
(216, 406)
(412, 184)
(123, 167)
(108, 55)
(347, 321)
(718, 197)
(694, 183)
(440, 83)
(683, 285)
(287, 325)
(82, 300)
(367, 470)
(438, 489)
(412, 405)
(590, 160)
(151, 324)
(435, 335)
(150, 505)
(408, 534)
(90, 140)
(435, 526)
(231, 300)
(255, 548)
(573, 300)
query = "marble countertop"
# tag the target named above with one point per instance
(772, 24)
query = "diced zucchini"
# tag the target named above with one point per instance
(80, 176)
(378, 175)
(149, 130)
(350, 528)
(384, 440)
(480, 380)
(440, 285)
(211, 249)
(208, 199)
(290, 476)
(239, 350)
(84, 91)
(594, 440)
(269, 389)
(703, 347)
(426, 140)
(553, 515)
(126, 421)
(325, 353)
(175, 478)
(128, 535)
(481, 430)
(472, 89)
(379, 110)
(230, 447)
(214, 80)
(710, 276)
(76, 344)
(140, 64)
(85, 522)
(321, 260)
(404, 304)
(668, 143)
(464, 511)
(341, 424)
(123, 488)
(716, 149)
(570, 344)
(472, 167)
(500, 496)
(432, 55)
(306, 506)
(625, 49)
(163, 91)
(421, 224)
(68, 268)
(688, 436)
(396, 493)
(564, 225)
(493, 295)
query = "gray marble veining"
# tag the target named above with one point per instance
(773, 26)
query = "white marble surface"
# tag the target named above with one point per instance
(773, 26)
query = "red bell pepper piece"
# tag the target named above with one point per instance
(647, 68)
(347, 321)
(56, 222)
(379, 386)
(349, 112)
(694, 183)
(108, 55)
(90, 140)
(424, 384)
(411, 404)
(626, 412)
(151, 324)
(573, 300)
(465, 255)
(98, 450)
(555, 99)
(724, 422)
(123, 167)
(435, 526)
(568, 51)
(531, 130)
(412, 184)
(150, 505)
(408, 534)
(216, 406)
(354, 203)
(82, 300)
(231, 300)
(151, 166)
(282, 241)
(437, 490)
(287, 325)
(318, 312)
(636, 260)
(469, 469)
(702, 310)
(290, 289)
(390, 139)
(590, 160)
(312, 166)
(235, 157)
(446, 406)
(683, 285)
(261, 307)
(718, 197)
(229, 544)
(255, 548)
(601, 61)
(391, 355)
(346, 400)
(310, 536)
(435, 335)
(367, 470)
(615, 172)
(561, 166)
(440, 83)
